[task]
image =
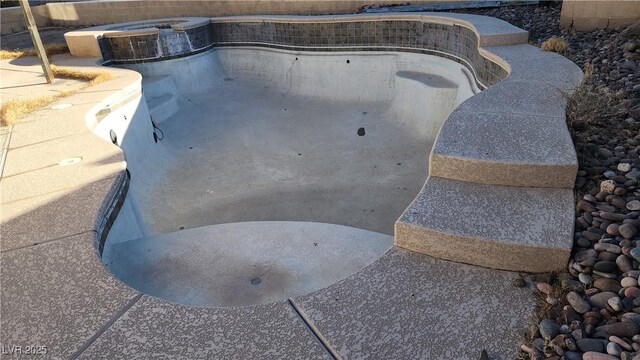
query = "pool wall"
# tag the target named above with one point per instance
(502, 160)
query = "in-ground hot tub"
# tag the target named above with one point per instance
(270, 157)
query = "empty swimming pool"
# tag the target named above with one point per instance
(270, 172)
(307, 159)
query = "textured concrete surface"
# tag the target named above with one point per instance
(243, 263)
(411, 306)
(532, 65)
(406, 305)
(43, 218)
(154, 329)
(57, 295)
(495, 148)
(16, 78)
(517, 229)
(523, 138)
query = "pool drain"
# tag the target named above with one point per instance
(256, 281)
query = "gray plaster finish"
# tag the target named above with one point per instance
(58, 295)
(505, 149)
(217, 265)
(411, 306)
(283, 158)
(509, 228)
(154, 328)
(43, 218)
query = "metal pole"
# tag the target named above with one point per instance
(37, 42)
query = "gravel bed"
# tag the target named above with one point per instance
(591, 310)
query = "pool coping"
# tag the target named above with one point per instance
(99, 308)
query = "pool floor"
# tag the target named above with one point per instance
(244, 152)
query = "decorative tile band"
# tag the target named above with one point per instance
(452, 41)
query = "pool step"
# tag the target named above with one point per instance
(162, 107)
(500, 227)
(485, 140)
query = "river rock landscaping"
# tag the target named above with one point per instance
(591, 310)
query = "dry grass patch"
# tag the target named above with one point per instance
(589, 106)
(555, 44)
(50, 49)
(15, 109)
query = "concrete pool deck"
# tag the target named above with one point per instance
(56, 292)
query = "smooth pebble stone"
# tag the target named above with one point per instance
(607, 186)
(551, 300)
(609, 174)
(599, 300)
(585, 254)
(572, 355)
(582, 242)
(623, 344)
(624, 167)
(607, 256)
(628, 231)
(612, 248)
(578, 303)
(605, 284)
(590, 261)
(585, 279)
(631, 318)
(590, 198)
(618, 202)
(613, 349)
(629, 282)
(591, 236)
(611, 216)
(615, 303)
(635, 253)
(605, 266)
(588, 344)
(604, 274)
(632, 292)
(577, 334)
(586, 206)
(564, 329)
(613, 229)
(548, 329)
(636, 339)
(597, 356)
(633, 205)
(621, 329)
(544, 288)
(624, 264)
(626, 356)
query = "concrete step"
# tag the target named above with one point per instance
(500, 227)
(162, 107)
(155, 86)
(244, 263)
(485, 141)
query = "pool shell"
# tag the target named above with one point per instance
(534, 84)
(509, 142)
